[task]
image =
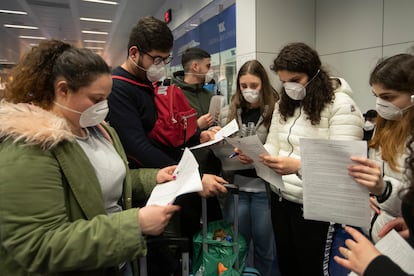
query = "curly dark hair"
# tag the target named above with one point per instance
(268, 95)
(300, 58)
(33, 78)
(150, 34)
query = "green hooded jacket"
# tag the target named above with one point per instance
(198, 97)
(52, 216)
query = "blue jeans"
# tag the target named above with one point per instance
(255, 224)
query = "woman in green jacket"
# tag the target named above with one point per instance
(65, 187)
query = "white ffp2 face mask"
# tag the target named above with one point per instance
(209, 76)
(250, 95)
(369, 125)
(297, 91)
(294, 90)
(92, 116)
(389, 111)
(154, 72)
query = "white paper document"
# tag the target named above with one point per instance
(223, 151)
(253, 147)
(329, 192)
(227, 130)
(398, 250)
(187, 181)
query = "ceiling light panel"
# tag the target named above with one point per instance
(94, 41)
(20, 27)
(94, 48)
(94, 32)
(32, 37)
(99, 11)
(55, 19)
(102, 2)
(13, 12)
(96, 20)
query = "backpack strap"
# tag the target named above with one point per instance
(130, 81)
(171, 96)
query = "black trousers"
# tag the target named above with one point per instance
(300, 243)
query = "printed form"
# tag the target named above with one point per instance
(227, 130)
(224, 151)
(187, 181)
(329, 193)
(253, 147)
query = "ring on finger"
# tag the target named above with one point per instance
(346, 253)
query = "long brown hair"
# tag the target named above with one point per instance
(394, 73)
(268, 95)
(300, 58)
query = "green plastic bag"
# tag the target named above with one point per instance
(218, 250)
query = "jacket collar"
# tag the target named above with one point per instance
(179, 80)
(32, 125)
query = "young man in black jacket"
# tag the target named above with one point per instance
(132, 112)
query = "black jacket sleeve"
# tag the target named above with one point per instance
(132, 113)
(382, 265)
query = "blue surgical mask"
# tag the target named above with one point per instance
(209, 87)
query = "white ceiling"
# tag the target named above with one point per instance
(60, 19)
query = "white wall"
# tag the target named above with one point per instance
(352, 35)
(265, 26)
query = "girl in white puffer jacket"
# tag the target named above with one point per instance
(312, 105)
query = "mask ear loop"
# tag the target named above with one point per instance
(312, 78)
(411, 105)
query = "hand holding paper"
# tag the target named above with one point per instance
(253, 148)
(281, 164)
(362, 252)
(187, 180)
(226, 131)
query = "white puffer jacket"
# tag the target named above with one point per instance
(390, 208)
(341, 120)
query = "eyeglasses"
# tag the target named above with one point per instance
(158, 59)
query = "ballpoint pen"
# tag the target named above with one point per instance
(234, 154)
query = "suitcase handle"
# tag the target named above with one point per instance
(234, 189)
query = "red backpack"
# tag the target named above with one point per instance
(176, 119)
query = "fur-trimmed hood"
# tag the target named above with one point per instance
(32, 125)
